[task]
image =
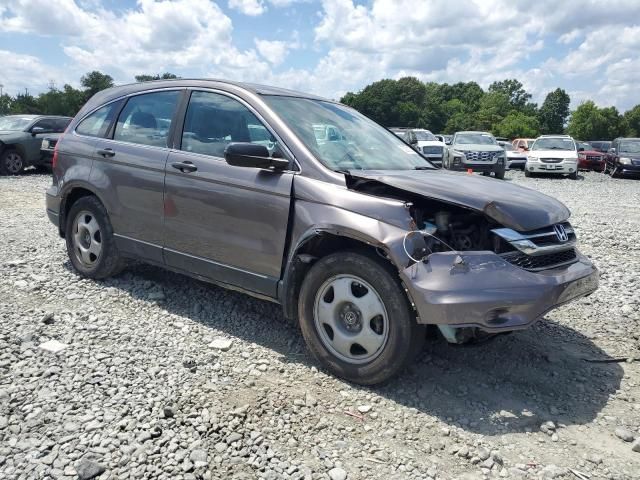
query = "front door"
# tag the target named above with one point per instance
(222, 222)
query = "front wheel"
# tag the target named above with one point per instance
(527, 173)
(90, 243)
(574, 175)
(500, 174)
(11, 163)
(356, 320)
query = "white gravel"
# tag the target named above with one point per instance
(154, 375)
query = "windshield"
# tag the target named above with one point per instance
(630, 146)
(425, 135)
(584, 145)
(356, 143)
(554, 144)
(14, 123)
(475, 139)
(400, 134)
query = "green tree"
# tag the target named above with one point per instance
(588, 122)
(5, 104)
(95, 81)
(632, 118)
(514, 90)
(494, 107)
(518, 124)
(24, 103)
(148, 78)
(554, 111)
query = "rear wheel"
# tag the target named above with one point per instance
(356, 320)
(11, 163)
(90, 243)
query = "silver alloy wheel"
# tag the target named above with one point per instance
(351, 319)
(13, 162)
(87, 239)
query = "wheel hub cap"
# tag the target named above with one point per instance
(87, 239)
(351, 319)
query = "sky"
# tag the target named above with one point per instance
(590, 48)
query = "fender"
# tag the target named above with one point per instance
(66, 192)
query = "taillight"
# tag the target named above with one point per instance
(54, 160)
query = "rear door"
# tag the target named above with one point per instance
(222, 222)
(128, 170)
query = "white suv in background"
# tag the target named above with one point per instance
(557, 154)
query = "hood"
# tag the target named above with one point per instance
(553, 154)
(591, 152)
(515, 154)
(430, 143)
(510, 205)
(476, 147)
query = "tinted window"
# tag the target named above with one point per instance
(47, 124)
(213, 121)
(475, 138)
(61, 124)
(96, 124)
(146, 119)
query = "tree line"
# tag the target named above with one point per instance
(68, 100)
(505, 109)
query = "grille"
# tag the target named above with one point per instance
(594, 158)
(551, 160)
(432, 150)
(541, 262)
(479, 156)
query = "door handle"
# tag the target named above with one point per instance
(106, 152)
(184, 167)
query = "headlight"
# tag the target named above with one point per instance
(625, 161)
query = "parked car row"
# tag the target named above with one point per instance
(22, 138)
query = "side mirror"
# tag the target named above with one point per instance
(252, 155)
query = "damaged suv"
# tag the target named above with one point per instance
(362, 241)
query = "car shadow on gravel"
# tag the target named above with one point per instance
(511, 384)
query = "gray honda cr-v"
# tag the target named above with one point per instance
(357, 235)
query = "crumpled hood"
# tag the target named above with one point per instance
(510, 205)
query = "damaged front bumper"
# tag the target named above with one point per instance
(481, 289)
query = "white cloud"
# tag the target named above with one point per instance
(25, 71)
(274, 51)
(248, 7)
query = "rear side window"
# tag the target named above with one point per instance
(213, 121)
(96, 124)
(146, 119)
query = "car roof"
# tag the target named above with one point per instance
(122, 90)
(556, 136)
(625, 138)
(33, 117)
(473, 131)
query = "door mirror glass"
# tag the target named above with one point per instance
(252, 155)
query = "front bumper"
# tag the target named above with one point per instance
(584, 164)
(488, 292)
(633, 169)
(476, 167)
(516, 162)
(560, 168)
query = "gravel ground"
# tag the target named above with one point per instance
(162, 376)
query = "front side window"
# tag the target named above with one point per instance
(96, 124)
(213, 121)
(61, 124)
(46, 124)
(146, 119)
(360, 143)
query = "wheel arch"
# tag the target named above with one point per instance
(71, 195)
(318, 243)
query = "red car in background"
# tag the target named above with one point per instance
(590, 159)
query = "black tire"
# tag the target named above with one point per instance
(405, 338)
(11, 163)
(527, 173)
(486, 174)
(108, 262)
(500, 174)
(574, 175)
